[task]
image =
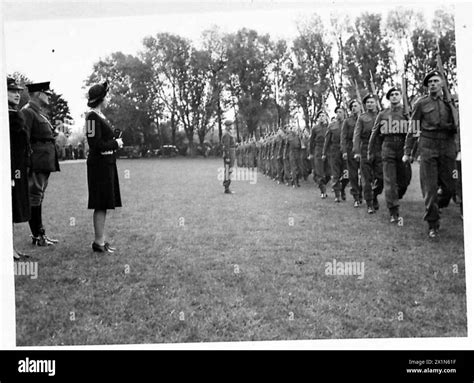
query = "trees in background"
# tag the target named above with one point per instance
(174, 84)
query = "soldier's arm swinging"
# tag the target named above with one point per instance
(327, 140)
(356, 138)
(344, 139)
(411, 137)
(374, 135)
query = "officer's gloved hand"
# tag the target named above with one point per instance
(357, 157)
(323, 157)
(344, 156)
(406, 158)
(458, 156)
(119, 142)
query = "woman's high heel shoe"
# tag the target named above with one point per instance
(110, 248)
(101, 248)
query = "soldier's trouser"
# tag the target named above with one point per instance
(336, 165)
(396, 173)
(304, 163)
(438, 161)
(321, 171)
(286, 169)
(228, 172)
(37, 184)
(353, 169)
(377, 185)
(372, 177)
(294, 165)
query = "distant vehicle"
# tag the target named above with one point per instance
(129, 152)
(168, 151)
(203, 150)
(152, 153)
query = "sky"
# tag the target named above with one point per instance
(64, 50)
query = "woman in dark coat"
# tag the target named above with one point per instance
(19, 158)
(102, 178)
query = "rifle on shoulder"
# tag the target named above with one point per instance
(446, 91)
(374, 91)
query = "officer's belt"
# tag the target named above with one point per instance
(437, 134)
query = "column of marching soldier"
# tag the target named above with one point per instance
(370, 151)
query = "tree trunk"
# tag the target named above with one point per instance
(219, 119)
(201, 136)
(191, 148)
(236, 125)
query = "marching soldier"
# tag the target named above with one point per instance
(258, 153)
(286, 156)
(332, 146)
(264, 142)
(278, 156)
(391, 125)
(305, 163)
(437, 148)
(294, 149)
(44, 157)
(238, 154)
(320, 167)
(371, 170)
(253, 153)
(246, 153)
(271, 157)
(228, 143)
(347, 136)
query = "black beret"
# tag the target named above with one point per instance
(97, 92)
(12, 84)
(429, 75)
(321, 112)
(352, 102)
(366, 97)
(39, 87)
(392, 89)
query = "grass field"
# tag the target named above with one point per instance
(196, 265)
